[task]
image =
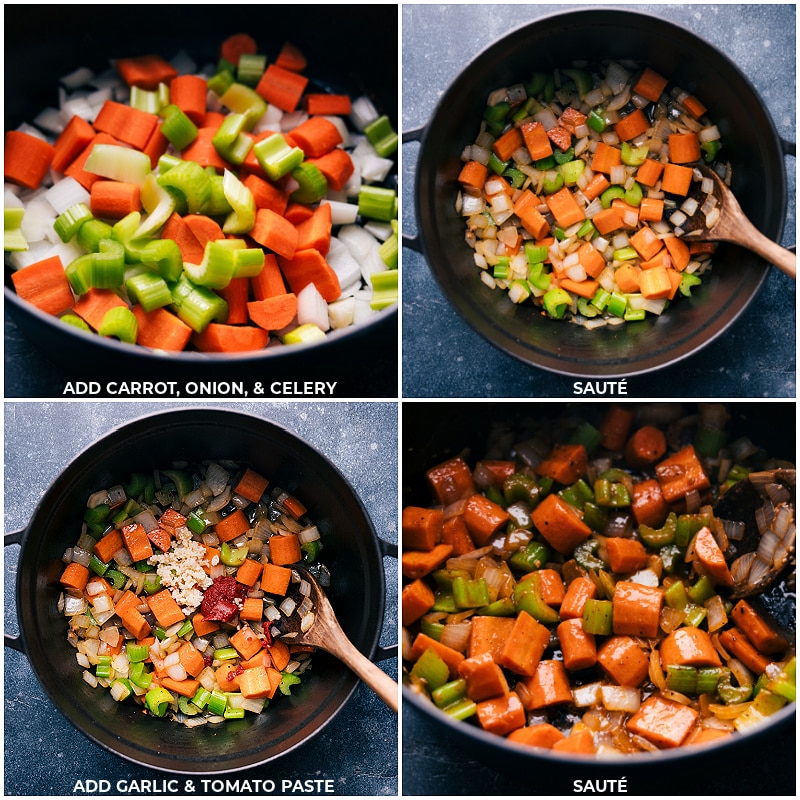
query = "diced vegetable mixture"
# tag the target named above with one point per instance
(227, 208)
(577, 186)
(181, 585)
(569, 590)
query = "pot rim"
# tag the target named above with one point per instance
(490, 328)
(130, 752)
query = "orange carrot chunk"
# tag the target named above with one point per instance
(559, 522)
(637, 609)
(26, 159)
(421, 527)
(663, 722)
(45, 285)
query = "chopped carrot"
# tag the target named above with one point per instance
(175, 228)
(291, 57)
(655, 284)
(701, 736)
(623, 660)
(76, 136)
(525, 645)
(646, 446)
(615, 427)
(473, 176)
(677, 179)
(637, 609)
(483, 518)
(231, 526)
(76, 167)
(75, 576)
(625, 555)
(251, 485)
(738, 645)
(591, 259)
(679, 251)
(661, 259)
(275, 233)
(578, 592)
(45, 285)
(580, 742)
(650, 85)
(628, 277)
(128, 601)
(645, 242)
(451, 657)
(489, 635)
(221, 338)
(146, 72)
(418, 563)
(608, 220)
(596, 186)
(227, 676)
(191, 658)
(204, 228)
(189, 93)
(202, 626)
(549, 685)
(605, 157)
(285, 549)
(115, 199)
(246, 642)
(136, 541)
(564, 207)
(450, 481)
(236, 294)
(648, 504)
(651, 210)
(632, 125)
(212, 557)
(694, 106)
(160, 538)
(235, 46)
(665, 723)
(269, 282)
(560, 524)
(711, 558)
(681, 473)
(764, 635)
(421, 527)
(161, 330)
(281, 87)
(107, 545)
(649, 172)
(688, 646)
(455, 533)
(551, 586)
(252, 608)
(565, 463)
(249, 572)
(315, 232)
(484, 678)
(578, 648)
(266, 194)
(560, 137)
(297, 212)
(332, 105)
(417, 599)
(275, 579)
(255, 683)
(542, 734)
(202, 149)
(501, 715)
(273, 313)
(310, 266)
(506, 145)
(156, 146)
(529, 215)
(337, 166)
(126, 123)
(134, 622)
(316, 136)
(536, 140)
(684, 148)
(26, 159)
(279, 653)
(166, 611)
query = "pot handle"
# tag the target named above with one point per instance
(10, 640)
(413, 241)
(385, 653)
(789, 148)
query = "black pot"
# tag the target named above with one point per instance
(751, 144)
(434, 432)
(69, 37)
(352, 552)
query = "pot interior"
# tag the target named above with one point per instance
(350, 551)
(750, 143)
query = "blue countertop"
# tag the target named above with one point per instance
(443, 357)
(44, 755)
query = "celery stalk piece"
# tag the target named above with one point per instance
(151, 101)
(68, 222)
(243, 216)
(178, 128)
(159, 204)
(192, 183)
(276, 157)
(304, 334)
(149, 291)
(243, 100)
(384, 289)
(76, 322)
(382, 136)
(121, 324)
(197, 306)
(217, 267)
(313, 185)
(389, 251)
(230, 142)
(377, 202)
(118, 163)
(250, 68)
(13, 238)
(92, 232)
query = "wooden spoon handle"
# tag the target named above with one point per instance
(750, 237)
(371, 674)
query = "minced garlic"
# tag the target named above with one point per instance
(181, 570)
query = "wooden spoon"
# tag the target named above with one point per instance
(326, 633)
(734, 226)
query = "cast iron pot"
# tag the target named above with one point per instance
(434, 432)
(750, 143)
(352, 551)
(68, 37)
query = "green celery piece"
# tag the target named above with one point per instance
(432, 669)
(450, 692)
(149, 291)
(553, 181)
(243, 216)
(597, 617)
(287, 681)
(389, 251)
(471, 593)
(377, 202)
(163, 253)
(197, 306)
(91, 233)
(150, 100)
(121, 324)
(382, 136)
(528, 598)
(159, 203)
(313, 185)
(276, 157)
(384, 289)
(76, 322)
(178, 128)
(223, 78)
(250, 68)
(556, 302)
(659, 537)
(634, 156)
(533, 556)
(230, 142)
(241, 99)
(217, 703)
(617, 304)
(500, 608)
(217, 267)
(232, 556)
(217, 204)
(582, 78)
(68, 222)
(612, 193)
(191, 181)
(304, 334)
(118, 163)
(572, 170)
(634, 195)
(682, 678)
